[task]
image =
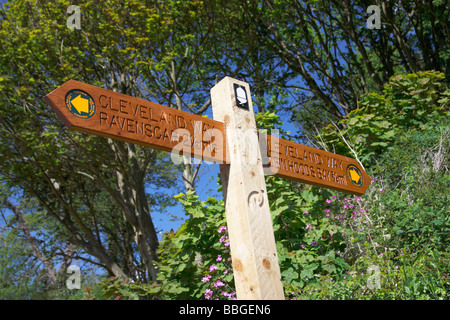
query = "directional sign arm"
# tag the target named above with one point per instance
(106, 113)
(297, 162)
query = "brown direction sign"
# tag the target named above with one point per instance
(106, 113)
(294, 161)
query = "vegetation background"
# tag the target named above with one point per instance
(378, 95)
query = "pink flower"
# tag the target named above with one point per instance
(308, 226)
(227, 243)
(358, 199)
(219, 258)
(305, 212)
(208, 293)
(219, 284)
(206, 278)
(221, 229)
(333, 197)
(212, 268)
(222, 239)
(327, 210)
(329, 201)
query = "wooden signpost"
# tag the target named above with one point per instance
(231, 140)
(106, 113)
(252, 242)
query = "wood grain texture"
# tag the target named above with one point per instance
(138, 121)
(252, 242)
(294, 161)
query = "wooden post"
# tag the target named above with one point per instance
(252, 242)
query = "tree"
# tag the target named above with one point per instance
(34, 265)
(336, 58)
(65, 171)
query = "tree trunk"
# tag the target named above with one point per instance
(37, 252)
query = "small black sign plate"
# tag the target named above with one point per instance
(241, 96)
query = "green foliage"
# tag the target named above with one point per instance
(116, 288)
(408, 101)
(307, 240)
(389, 275)
(416, 184)
(187, 255)
(400, 227)
(82, 183)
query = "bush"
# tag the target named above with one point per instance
(410, 101)
(415, 200)
(390, 275)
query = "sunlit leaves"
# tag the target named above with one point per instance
(408, 101)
